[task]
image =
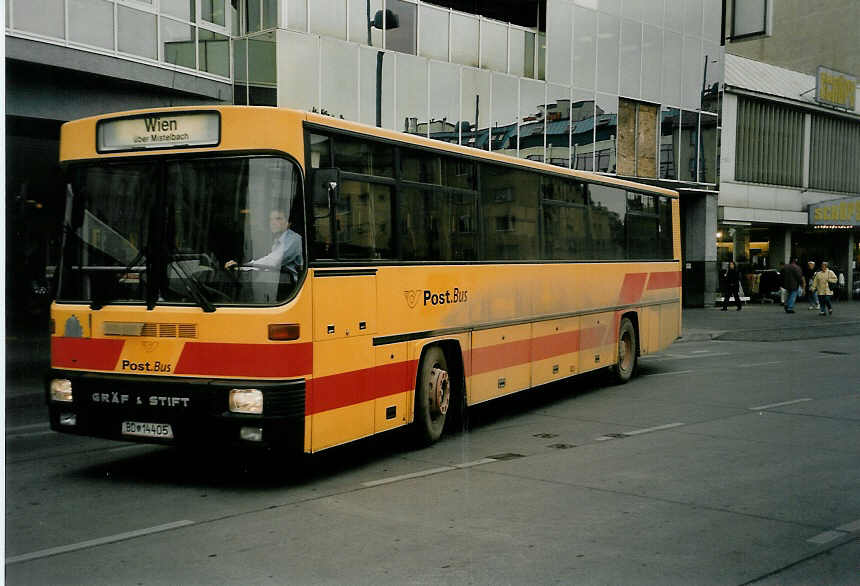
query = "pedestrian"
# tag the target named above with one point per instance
(731, 285)
(809, 275)
(792, 280)
(823, 279)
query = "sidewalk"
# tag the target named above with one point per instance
(27, 353)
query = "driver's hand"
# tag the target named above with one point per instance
(230, 264)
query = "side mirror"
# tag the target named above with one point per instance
(325, 186)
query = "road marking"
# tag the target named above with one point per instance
(24, 428)
(625, 434)
(31, 434)
(758, 364)
(670, 373)
(96, 542)
(700, 352)
(686, 357)
(762, 407)
(420, 474)
(826, 537)
(475, 463)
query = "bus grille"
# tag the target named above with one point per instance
(289, 402)
(149, 329)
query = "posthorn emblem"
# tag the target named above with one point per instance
(411, 298)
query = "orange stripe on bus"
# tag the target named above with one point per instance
(500, 356)
(246, 360)
(632, 288)
(89, 353)
(555, 345)
(664, 280)
(350, 388)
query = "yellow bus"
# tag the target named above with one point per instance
(278, 278)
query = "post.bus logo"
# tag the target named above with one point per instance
(411, 298)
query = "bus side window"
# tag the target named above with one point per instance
(325, 184)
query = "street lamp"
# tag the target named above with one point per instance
(383, 20)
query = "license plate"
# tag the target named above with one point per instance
(140, 429)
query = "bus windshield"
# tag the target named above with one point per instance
(208, 232)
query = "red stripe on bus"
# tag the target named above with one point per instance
(250, 360)
(89, 353)
(555, 345)
(500, 356)
(632, 288)
(358, 386)
(664, 280)
(594, 337)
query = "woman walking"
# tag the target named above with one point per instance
(822, 281)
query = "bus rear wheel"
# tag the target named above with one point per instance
(628, 351)
(432, 395)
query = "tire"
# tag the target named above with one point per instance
(628, 353)
(432, 395)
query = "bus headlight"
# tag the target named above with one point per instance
(61, 390)
(246, 401)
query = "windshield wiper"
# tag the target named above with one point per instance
(194, 287)
(129, 268)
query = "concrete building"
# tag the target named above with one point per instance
(629, 88)
(791, 135)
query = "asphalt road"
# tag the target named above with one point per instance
(723, 462)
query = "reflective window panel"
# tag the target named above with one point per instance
(475, 107)
(136, 32)
(673, 15)
(360, 15)
(505, 111)
(712, 21)
(693, 17)
(558, 31)
(183, 9)
(262, 73)
(532, 119)
(605, 133)
(376, 106)
(91, 22)
(558, 125)
(529, 56)
(444, 102)
(494, 45)
(270, 14)
(671, 68)
(608, 30)
(652, 63)
(713, 59)
(44, 17)
(214, 52)
(339, 79)
(652, 11)
(328, 18)
(689, 146)
(240, 65)
(253, 16)
(509, 200)
(608, 211)
(708, 152)
(691, 80)
(404, 38)
(298, 58)
(412, 94)
(213, 11)
(434, 32)
(516, 41)
(582, 130)
(670, 136)
(464, 39)
(178, 43)
(631, 58)
(584, 47)
(297, 15)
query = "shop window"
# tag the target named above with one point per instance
(749, 18)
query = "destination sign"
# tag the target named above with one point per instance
(159, 130)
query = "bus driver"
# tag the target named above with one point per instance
(286, 254)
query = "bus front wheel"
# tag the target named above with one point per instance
(628, 350)
(432, 395)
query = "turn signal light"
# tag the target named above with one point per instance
(283, 331)
(61, 390)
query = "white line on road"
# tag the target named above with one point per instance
(475, 463)
(25, 428)
(758, 364)
(96, 542)
(762, 407)
(850, 527)
(420, 474)
(604, 438)
(670, 373)
(826, 537)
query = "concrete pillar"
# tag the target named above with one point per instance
(699, 247)
(742, 245)
(845, 260)
(780, 246)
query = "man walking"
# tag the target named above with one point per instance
(792, 279)
(731, 285)
(809, 275)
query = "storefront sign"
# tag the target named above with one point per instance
(843, 212)
(159, 131)
(834, 88)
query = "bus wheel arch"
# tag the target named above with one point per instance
(627, 357)
(438, 390)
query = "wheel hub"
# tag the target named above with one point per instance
(440, 391)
